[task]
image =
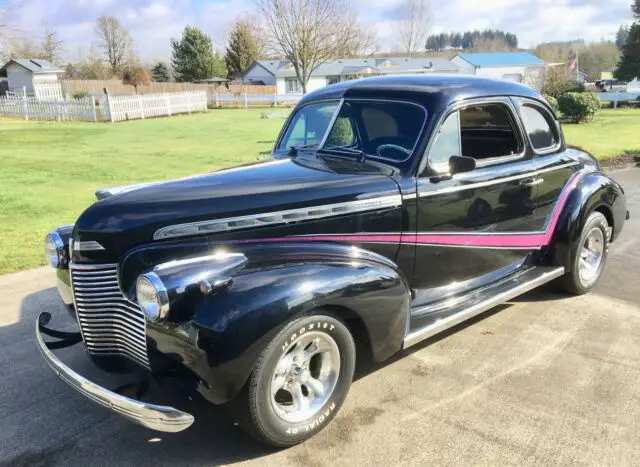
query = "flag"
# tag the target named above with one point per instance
(573, 61)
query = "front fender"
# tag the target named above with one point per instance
(229, 330)
(594, 192)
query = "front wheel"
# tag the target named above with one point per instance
(300, 380)
(590, 257)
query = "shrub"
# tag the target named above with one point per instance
(579, 106)
(80, 94)
(553, 102)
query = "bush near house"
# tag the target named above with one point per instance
(579, 106)
(553, 102)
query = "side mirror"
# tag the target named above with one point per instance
(458, 164)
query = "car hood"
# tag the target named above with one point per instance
(133, 216)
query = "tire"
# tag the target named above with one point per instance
(272, 416)
(595, 238)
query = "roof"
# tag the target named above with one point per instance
(496, 59)
(34, 65)
(434, 91)
(382, 65)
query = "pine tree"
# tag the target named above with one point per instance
(160, 73)
(193, 58)
(243, 48)
(629, 65)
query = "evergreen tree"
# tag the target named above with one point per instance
(629, 65)
(243, 48)
(160, 73)
(193, 58)
(621, 36)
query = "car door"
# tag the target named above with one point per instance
(472, 227)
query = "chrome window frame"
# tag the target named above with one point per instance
(548, 116)
(459, 105)
(372, 156)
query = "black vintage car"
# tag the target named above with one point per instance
(393, 209)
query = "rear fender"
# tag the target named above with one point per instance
(594, 192)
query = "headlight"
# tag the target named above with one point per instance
(152, 296)
(54, 249)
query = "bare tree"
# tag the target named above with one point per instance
(115, 42)
(51, 45)
(308, 32)
(413, 28)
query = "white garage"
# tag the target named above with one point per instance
(523, 67)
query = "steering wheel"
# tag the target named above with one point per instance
(382, 147)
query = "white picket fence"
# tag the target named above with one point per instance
(244, 100)
(53, 109)
(47, 90)
(137, 106)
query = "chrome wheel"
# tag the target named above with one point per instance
(591, 256)
(305, 376)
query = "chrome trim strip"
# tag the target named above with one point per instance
(108, 192)
(87, 246)
(471, 186)
(156, 417)
(274, 218)
(413, 338)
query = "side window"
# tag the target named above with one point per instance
(542, 133)
(309, 125)
(488, 132)
(446, 143)
(342, 134)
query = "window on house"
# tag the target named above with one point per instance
(540, 129)
(333, 79)
(292, 86)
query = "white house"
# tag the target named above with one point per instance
(280, 73)
(38, 77)
(523, 67)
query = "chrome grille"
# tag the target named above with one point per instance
(110, 324)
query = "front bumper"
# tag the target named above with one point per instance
(156, 417)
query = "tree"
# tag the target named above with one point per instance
(629, 65)
(51, 46)
(558, 79)
(243, 47)
(308, 33)
(193, 59)
(489, 40)
(136, 75)
(414, 25)
(621, 36)
(115, 42)
(160, 73)
(596, 57)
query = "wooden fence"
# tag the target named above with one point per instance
(114, 86)
(117, 108)
(34, 108)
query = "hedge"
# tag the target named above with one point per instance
(579, 106)
(553, 102)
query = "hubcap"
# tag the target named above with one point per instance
(591, 256)
(305, 377)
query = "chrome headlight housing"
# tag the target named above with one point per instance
(54, 251)
(152, 296)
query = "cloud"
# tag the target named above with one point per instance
(152, 23)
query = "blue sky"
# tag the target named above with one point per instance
(153, 22)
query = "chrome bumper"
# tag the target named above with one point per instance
(156, 417)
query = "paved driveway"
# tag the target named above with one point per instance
(544, 380)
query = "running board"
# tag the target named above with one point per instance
(529, 280)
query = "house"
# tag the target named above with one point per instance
(280, 73)
(36, 76)
(523, 67)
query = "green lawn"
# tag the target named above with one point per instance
(612, 133)
(50, 170)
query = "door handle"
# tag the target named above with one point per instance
(532, 182)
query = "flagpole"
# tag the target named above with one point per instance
(577, 66)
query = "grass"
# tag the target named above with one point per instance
(614, 132)
(50, 170)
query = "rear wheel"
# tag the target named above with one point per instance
(300, 380)
(590, 257)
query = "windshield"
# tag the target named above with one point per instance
(380, 129)
(309, 125)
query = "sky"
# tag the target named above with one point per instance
(152, 23)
